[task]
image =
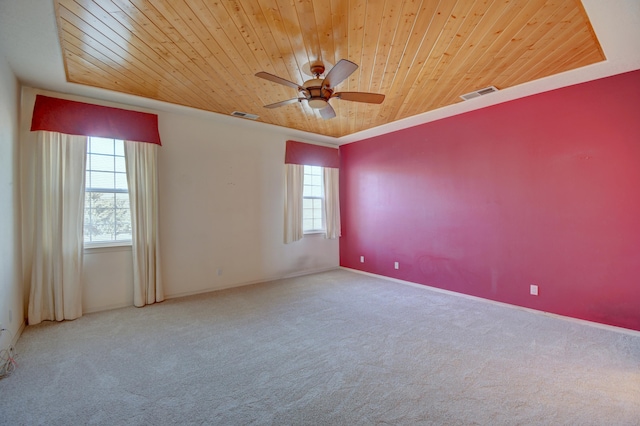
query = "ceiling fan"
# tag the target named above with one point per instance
(318, 91)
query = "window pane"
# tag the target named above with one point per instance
(312, 207)
(121, 181)
(307, 224)
(122, 224)
(120, 165)
(101, 146)
(122, 201)
(101, 180)
(107, 215)
(124, 236)
(119, 148)
(102, 201)
(307, 191)
(103, 224)
(100, 162)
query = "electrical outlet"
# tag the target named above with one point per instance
(396, 265)
(361, 259)
(533, 290)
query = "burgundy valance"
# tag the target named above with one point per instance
(79, 118)
(311, 155)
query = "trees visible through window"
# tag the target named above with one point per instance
(313, 199)
(107, 217)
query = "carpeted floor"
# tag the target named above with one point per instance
(336, 348)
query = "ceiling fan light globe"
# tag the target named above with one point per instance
(317, 103)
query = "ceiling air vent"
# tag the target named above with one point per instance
(244, 115)
(479, 93)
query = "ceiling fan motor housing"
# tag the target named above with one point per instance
(316, 95)
(318, 91)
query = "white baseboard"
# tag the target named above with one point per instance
(508, 305)
(209, 290)
(15, 337)
(245, 283)
(19, 333)
(106, 308)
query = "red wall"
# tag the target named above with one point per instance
(542, 190)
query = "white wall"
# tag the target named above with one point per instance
(11, 295)
(222, 208)
(221, 211)
(107, 277)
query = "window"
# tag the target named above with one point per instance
(107, 217)
(312, 204)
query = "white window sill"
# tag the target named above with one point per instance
(317, 232)
(107, 247)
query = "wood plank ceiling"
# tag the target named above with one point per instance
(422, 54)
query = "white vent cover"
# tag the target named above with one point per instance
(244, 115)
(479, 93)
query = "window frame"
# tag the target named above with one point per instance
(101, 190)
(313, 197)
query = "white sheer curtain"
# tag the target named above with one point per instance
(294, 181)
(142, 177)
(331, 202)
(55, 216)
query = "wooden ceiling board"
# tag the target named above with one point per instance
(465, 57)
(450, 70)
(105, 36)
(90, 65)
(534, 63)
(427, 26)
(505, 60)
(421, 54)
(444, 49)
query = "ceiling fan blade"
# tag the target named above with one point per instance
(279, 80)
(339, 72)
(327, 112)
(370, 98)
(282, 103)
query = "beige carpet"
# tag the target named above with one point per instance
(337, 348)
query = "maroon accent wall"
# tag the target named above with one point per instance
(542, 190)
